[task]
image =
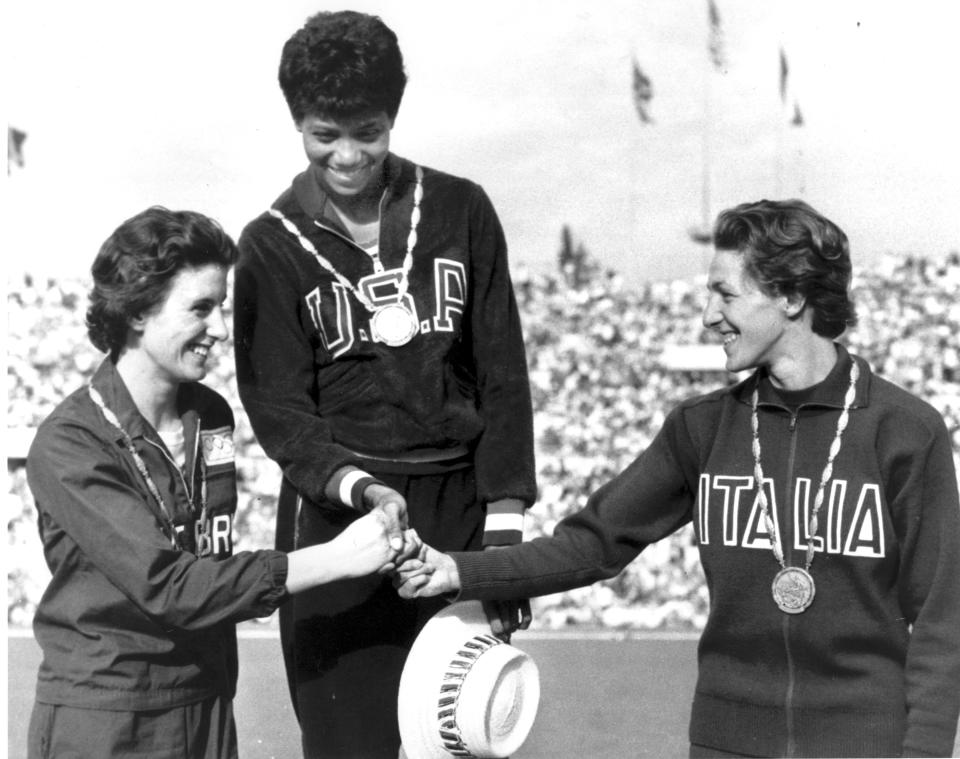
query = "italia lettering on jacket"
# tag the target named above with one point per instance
(850, 520)
(338, 328)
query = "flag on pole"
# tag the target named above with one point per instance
(15, 140)
(784, 71)
(715, 41)
(797, 119)
(642, 93)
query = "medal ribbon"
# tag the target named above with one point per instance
(145, 473)
(407, 260)
(812, 524)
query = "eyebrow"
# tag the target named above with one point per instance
(718, 284)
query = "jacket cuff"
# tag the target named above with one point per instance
(346, 487)
(277, 567)
(504, 522)
(933, 738)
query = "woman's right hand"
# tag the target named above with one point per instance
(392, 507)
(365, 547)
(369, 544)
(430, 573)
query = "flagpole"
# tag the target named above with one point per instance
(781, 128)
(705, 217)
(705, 189)
(715, 59)
(778, 159)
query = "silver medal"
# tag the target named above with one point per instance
(793, 590)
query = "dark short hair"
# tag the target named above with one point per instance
(791, 249)
(342, 64)
(135, 266)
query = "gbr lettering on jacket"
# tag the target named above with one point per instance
(850, 520)
(340, 332)
(212, 537)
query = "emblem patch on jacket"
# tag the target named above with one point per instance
(217, 446)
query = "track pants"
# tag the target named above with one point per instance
(345, 643)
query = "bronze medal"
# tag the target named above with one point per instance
(393, 325)
(793, 590)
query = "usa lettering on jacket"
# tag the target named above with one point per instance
(337, 325)
(850, 520)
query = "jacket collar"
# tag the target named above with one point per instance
(829, 393)
(108, 382)
(314, 200)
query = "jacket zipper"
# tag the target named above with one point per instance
(342, 236)
(787, 536)
(791, 745)
(349, 240)
(791, 674)
(176, 467)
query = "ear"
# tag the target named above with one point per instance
(136, 323)
(793, 305)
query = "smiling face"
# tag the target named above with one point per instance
(754, 325)
(347, 155)
(170, 344)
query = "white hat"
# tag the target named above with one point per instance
(463, 691)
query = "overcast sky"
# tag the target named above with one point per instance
(128, 104)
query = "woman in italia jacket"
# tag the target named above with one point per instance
(834, 625)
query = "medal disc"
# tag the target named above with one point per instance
(393, 325)
(793, 590)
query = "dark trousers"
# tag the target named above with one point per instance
(345, 643)
(203, 730)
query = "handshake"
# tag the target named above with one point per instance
(380, 542)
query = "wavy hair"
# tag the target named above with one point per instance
(342, 64)
(792, 250)
(134, 269)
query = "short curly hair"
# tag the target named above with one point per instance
(133, 271)
(342, 64)
(791, 249)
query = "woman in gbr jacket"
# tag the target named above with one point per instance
(135, 484)
(824, 501)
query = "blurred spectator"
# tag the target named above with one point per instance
(599, 394)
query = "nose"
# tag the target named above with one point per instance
(711, 314)
(347, 153)
(217, 325)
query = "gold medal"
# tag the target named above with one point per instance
(793, 590)
(393, 325)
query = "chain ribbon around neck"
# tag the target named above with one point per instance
(407, 260)
(170, 530)
(813, 523)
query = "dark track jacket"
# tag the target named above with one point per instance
(128, 622)
(872, 668)
(318, 389)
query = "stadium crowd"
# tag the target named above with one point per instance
(595, 345)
